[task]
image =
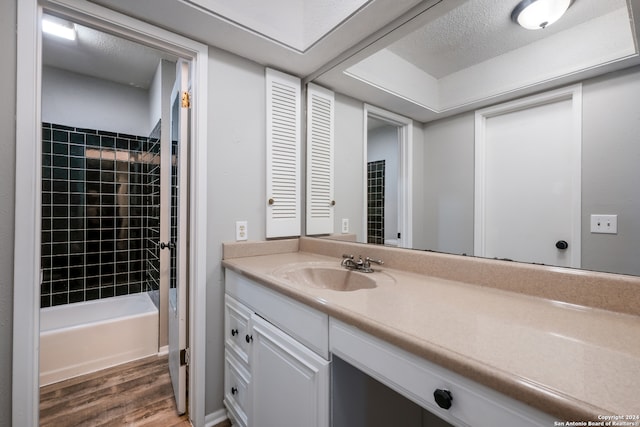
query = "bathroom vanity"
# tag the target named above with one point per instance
(470, 354)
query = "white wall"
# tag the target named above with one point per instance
(611, 170)
(447, 223)
(76, 100)
(349, 164)
(236, 186)
(160, 87)
(418, 183)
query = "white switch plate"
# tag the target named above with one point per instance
(241, 230)
(345, 225)
(604, 224)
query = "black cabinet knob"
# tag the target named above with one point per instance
(249, 338)
(234, 332)
(234, 390)
(443, 398)
(562, 244)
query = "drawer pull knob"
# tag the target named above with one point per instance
(234, 332)
(249, 338)
(443, 398)
(234, 390)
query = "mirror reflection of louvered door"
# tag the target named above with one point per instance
(320, 139)
(283, 93)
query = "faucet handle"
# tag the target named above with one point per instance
(377, 261)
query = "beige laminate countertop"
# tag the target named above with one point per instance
(570, 361)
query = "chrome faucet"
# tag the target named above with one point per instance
(364, 266)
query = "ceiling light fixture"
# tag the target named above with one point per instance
(537, 14)
(59, 28)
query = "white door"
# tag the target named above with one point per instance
(528, 180)
(179, 201)
(290, 383)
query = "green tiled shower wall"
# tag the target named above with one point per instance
(99, 214)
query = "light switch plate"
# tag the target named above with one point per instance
(604, 224)
(242, 232)
(345, 225)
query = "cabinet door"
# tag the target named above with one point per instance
(283, 154)
(290, 383)
(320, 140)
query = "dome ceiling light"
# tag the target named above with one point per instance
(538, 14)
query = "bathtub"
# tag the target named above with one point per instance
(80, 338)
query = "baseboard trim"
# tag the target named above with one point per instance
(214, 418)
(164, 350)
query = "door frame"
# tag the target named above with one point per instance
(572, 93)
(405, 178)
(26, 307)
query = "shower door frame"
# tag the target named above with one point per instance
(26, 316)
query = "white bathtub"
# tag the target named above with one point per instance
(79, 338)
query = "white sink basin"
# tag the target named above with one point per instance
(331, 277)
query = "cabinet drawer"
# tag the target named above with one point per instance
(236, 320)
(305, 324)
(236, 385)
(416, 378)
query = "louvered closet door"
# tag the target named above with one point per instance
(320, 197)
(283, 154)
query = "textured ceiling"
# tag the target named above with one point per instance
(103, 56)
(269, 33)
(482, 29)
(476, 30)
(340, 31)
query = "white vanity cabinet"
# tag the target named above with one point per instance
(276, 358)
(461, 402)
(277, 353)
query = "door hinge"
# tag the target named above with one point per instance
(185, 357)
(186, 100)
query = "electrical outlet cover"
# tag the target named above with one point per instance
(241, 230)
(604, 224)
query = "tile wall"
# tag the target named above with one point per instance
(151, 209)
(174, 211)
(93, 214)
(375, 202)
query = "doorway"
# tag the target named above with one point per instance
(29, 175)
(114, 189)
(383, 151)
(528, 179)
(388, 185)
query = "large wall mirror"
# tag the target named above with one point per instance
(465, 75)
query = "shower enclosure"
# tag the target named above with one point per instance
(100, 233)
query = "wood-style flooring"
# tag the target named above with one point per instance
(138, 393)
